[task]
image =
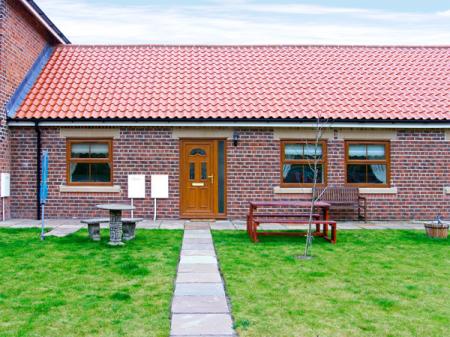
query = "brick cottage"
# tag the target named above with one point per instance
(228, 124)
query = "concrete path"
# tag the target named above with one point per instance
(199, 305)
(215, 225)
(63, 230)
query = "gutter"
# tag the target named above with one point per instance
(262, 124)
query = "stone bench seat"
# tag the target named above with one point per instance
(128, 227)
(94, 227)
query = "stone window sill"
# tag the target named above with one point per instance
(90, 189)
(378, 190)
(365, 190)
(292, 190)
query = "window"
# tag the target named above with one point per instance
(89, 162)
(297, 163)
(367, 163)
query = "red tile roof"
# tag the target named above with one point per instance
(149, 81)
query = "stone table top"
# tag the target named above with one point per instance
(116, 207)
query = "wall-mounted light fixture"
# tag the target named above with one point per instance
(235, 138)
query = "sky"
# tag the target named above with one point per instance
(242, 22)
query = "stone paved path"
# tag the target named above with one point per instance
(63, 227)
(63, 230)
(199, 305)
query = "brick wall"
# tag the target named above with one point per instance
(138, 151)
(419, 162)
(22, 39)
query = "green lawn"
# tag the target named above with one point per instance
(75, 287)
(371, 283)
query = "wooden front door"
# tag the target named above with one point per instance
(198, 179)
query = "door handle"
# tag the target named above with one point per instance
(212, 179)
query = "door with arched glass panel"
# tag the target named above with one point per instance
(201, 178)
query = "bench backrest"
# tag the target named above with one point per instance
(349, 194)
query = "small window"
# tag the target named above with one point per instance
(197, 152)
(367, 163)
(298, 159)
(89, 162)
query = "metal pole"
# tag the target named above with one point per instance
(154, 211)
(42, 225)
(3, 209)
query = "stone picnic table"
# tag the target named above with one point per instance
(115, 221)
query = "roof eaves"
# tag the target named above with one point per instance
(30, 78)
(44, 19)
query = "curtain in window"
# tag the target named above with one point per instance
(380, 172)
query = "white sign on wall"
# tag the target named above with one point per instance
(5, 185)
(160, 186)
(136, 186)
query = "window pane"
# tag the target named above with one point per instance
(312, 153)
(79, 172)
(375, 151)
(199, 152)
(80, 150)
(292, 173)
(99, 150)
(192, 171)
(356, 173)
(204, 170)
(293, 151)
(357, 151)
(309, 174)
(100, 172)
(377, 174)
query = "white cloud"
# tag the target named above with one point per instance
(240, 22)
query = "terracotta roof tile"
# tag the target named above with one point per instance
(246, 82)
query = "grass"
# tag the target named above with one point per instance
(371, 283)
(72, 286)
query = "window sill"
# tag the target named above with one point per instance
(292, 190)
(378, 190)
(90, 189)
(362, 190)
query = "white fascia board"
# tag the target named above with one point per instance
(42, 21)
(238, 124)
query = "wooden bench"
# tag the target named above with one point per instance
(255, 219)
(317, 222)
(129, 228)
(94, 227)
(344, 198)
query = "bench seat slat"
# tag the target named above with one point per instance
(294, 221)
(95, 220)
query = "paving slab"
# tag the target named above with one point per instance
(171, 226)
(63, 230)
(197, 231)
(197, 240)
(198, 246)
(199, 304)
(201, 324)
(194, 235)
(198, 268)
(190, 226)
(199, 289)
(196, 252)
(197, 259)
(222, 227)
(199, 278)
